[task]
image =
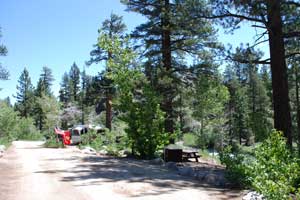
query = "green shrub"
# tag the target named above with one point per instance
(273, 171)
(5, 141)
(92, 139)
(8, 122)
(12, 127)
(145, 121)
(276, 172)
(109, 141)
(27, 131)
(52, 142)
(138, 100)
(236, 167)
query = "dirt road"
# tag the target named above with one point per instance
(30, 172)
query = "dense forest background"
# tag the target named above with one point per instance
(171, 79)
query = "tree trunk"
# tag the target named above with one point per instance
(108, 110)
(167, 104)
(297, 105)
(181, 115)
(82, 114)
(282, 117)
(108, 99)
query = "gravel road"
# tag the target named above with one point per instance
(30, 172)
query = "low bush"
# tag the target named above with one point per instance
(236, 168)
(275, 172)
(92, 139)
(109, 141)
(12, 127)
(27, 131)
(5, 141)
(52, 142)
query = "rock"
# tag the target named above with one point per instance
(171, 165)
(200, 175)
(103, 152)
(157, 161)
(253, 196)
(186, 171)
(88, 150)
(2, 148)
(122, 153)
(212, 179)
(127, 152)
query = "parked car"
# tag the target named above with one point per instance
(73, 135)
(78, 130)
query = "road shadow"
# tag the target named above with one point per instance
(148, 179)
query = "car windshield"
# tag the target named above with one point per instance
(75, 133)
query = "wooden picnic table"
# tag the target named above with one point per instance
(186, 154)
(180, 155)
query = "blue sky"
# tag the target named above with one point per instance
(56, 33)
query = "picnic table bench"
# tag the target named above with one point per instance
(186, 154)
(179, 155)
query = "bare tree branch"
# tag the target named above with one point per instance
(257, 26)
(258, 43)
(229, 14)
(262, 35)
(245, 61)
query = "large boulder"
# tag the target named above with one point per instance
(2, 148)
(186, 171)
(157, 161)
(200, 175)
(88, 150)
(253, 196)
(211, 179)
(171, 165)
(214, 178)
(103, 152)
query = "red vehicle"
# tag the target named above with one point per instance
(65, 136)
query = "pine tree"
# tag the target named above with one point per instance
(7, 102)
(45, 82)
(84, 82)
(24, 97)
(3, 51)
(261, 112)
(256, 93)
(43, 89)
(64, 91)
(170, 33)
(237, 109)
(294, 77)
(209, 99)
(74, 81)
(112, 27)
(279, 21)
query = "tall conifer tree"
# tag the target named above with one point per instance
(278, 20)
(112, 27)
(24, 97)
(3, 51)
(170, 33)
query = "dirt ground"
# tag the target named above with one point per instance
(30, 172)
